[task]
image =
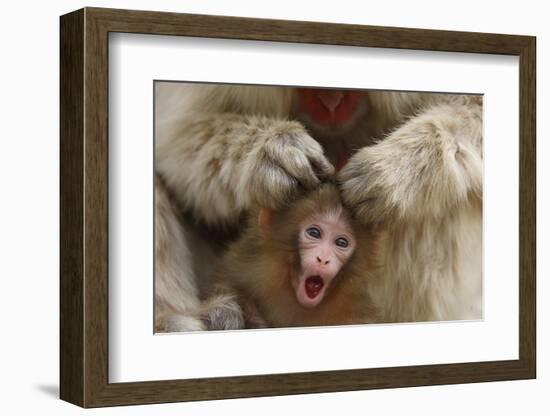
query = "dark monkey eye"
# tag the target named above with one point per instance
(341, 242)
(314, 232)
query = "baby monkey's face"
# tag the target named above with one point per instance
(326, 243)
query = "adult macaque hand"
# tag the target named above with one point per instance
(290, 160)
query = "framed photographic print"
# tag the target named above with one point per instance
(256, 207)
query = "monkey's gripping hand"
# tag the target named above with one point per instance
(427, 167)
(219, 165)
(286, 160)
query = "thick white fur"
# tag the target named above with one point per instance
(423, 183)
(176, 294)
(221, 149)
(219, 152)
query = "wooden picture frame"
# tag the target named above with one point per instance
(84, 207)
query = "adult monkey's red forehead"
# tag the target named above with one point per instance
(330, 107)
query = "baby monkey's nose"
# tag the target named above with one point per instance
(321, 261)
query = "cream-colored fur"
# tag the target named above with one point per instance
(219, 156)
(423, 184)
(417, 172)
(176, 294)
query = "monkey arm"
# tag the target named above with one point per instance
(429, 166)
(218, 165)
(176, 292)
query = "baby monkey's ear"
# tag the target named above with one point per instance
(265, 219)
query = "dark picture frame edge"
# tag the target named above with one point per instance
(84, 207)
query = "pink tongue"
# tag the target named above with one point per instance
(314, 284)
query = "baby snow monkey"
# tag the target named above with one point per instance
(308, 264)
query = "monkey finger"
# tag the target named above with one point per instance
(299, 166)
(322, 167)
(314, 152)
(272, 186)
(293, 160)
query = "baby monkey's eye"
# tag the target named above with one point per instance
(341, 242)
(314, 232)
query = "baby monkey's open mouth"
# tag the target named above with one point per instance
(314, 285)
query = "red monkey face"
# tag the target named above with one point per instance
(325, 245)
(330, 108)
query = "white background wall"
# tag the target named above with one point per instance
(29, 209)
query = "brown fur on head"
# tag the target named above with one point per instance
(280, 227)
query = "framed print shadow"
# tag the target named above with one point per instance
(255, 207)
